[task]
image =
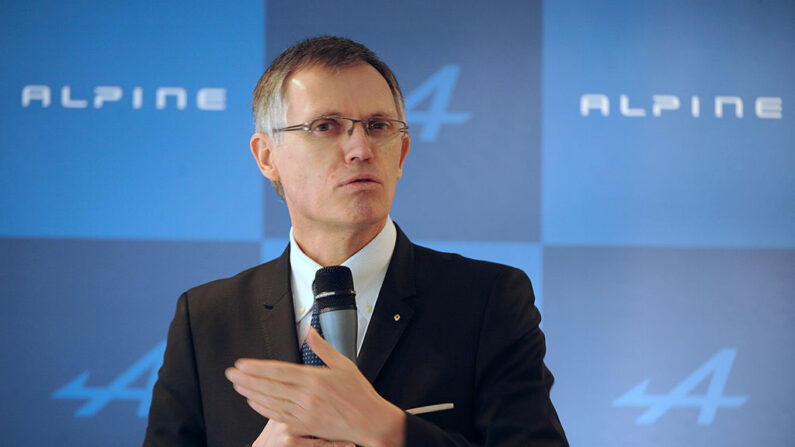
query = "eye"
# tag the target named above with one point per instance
(325, 127)
(381, 125)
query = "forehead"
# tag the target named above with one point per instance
(357, 91)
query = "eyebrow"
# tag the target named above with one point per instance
(332, 112)
(328, 112)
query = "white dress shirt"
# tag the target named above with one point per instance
(368, 266)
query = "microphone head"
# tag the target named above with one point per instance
(333, 288)
(336, 278)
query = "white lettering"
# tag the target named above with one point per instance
(594, 101)
(106, 93)
(626, 110)
(138, 98)
(721, 100)
(36, 93)
(768, 107)
(163, 92)
(69, 103)
(207, 98)
(664, 102)
(211, 99)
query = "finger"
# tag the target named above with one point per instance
(330, 356)
(263, 385)
(263, 411)
(271, 408)
(290, 402)
(317, 442)
(274, 370)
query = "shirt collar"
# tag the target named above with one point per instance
(368, 265)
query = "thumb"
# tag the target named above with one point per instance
(323, 349)
(324, 443)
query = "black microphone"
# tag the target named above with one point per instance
(336, 302)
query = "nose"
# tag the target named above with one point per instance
(357, 145)
(353, 126)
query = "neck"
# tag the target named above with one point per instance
(332, 246)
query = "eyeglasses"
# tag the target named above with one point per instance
(329, 128)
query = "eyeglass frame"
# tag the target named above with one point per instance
(307, 127)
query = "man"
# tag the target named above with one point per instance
(450, 352)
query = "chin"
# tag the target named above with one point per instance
(364, 215)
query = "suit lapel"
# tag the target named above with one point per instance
(278, 320)
(392, 313)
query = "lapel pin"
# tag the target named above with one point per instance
(397, 317)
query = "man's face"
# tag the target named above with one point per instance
(349, 183)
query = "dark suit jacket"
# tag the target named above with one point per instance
(467, 333)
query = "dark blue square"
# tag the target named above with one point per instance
(477, 178)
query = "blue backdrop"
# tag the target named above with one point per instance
(634, 158)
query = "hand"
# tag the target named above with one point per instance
(335, 403)
(277, 434)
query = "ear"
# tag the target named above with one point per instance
(262, 149)
(404, 150)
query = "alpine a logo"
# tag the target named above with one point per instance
(206, 98)
(765, 107)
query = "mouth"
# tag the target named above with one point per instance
(361, 179)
